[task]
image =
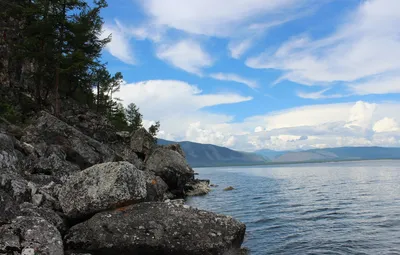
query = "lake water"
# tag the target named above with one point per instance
(327, 208)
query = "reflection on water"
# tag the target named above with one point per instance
(330, 208)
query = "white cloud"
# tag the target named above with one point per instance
(385, 84)
(386, 125)
(365, 47)
(319, 94)
(219, 18)
(119, 46)
(187, 55)
(179, 107)
(237, 49)
(234, 78)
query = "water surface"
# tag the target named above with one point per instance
(327, 208)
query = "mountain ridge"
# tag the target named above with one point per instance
(208, 155)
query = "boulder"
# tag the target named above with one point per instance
(197, 187)
(156, 228)
(28, 209)
(142, 143)
(79, 148)
(175, 147)
(171, 167)
(108, 185)
(27, 233)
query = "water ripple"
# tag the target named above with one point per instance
(336, 208)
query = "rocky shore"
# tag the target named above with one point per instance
(73, 185)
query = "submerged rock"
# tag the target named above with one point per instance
(171, 167)
(31, 233)
(229, 188)
(108, 185)
(156, 228)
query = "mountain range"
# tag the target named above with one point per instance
(204, 155)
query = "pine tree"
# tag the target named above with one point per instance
(133, 117)
(153, 130)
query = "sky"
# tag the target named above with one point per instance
(261, 74)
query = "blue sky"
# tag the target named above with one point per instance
(255, 74)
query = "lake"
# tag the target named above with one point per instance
(326, 208)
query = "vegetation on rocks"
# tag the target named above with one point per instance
(76, 168)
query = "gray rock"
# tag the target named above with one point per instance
(156, 228)
(198, 187)
(108, 185)
(37, 199)
(8, 155)
(53, 165)
(31, 233)
(8, 207)
(175, 147)
(28, 209)
(142, 142)
(15, 186)
(229, 188)
(78, 147)
(171, 167)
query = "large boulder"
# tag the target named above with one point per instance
(31, 233)
(156, 228)
(108, 185)
(142, 143)
(172, 167)
(78, 147)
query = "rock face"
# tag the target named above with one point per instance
(79, 148)
(156, 228)
(108, 185)
(171, 167)
(142, 143)
(31, 233)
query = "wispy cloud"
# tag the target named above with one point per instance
(235, 78)
(365, 46)
(187, 55)
(119, 46)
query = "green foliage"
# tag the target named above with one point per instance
(134, 117)
(61, 41)
(153, 130)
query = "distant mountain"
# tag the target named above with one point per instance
(270, 154)
(199, 155)
(339, 154)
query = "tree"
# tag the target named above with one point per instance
(153, 130)
(134, 117)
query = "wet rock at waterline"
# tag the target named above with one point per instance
(156, 228)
